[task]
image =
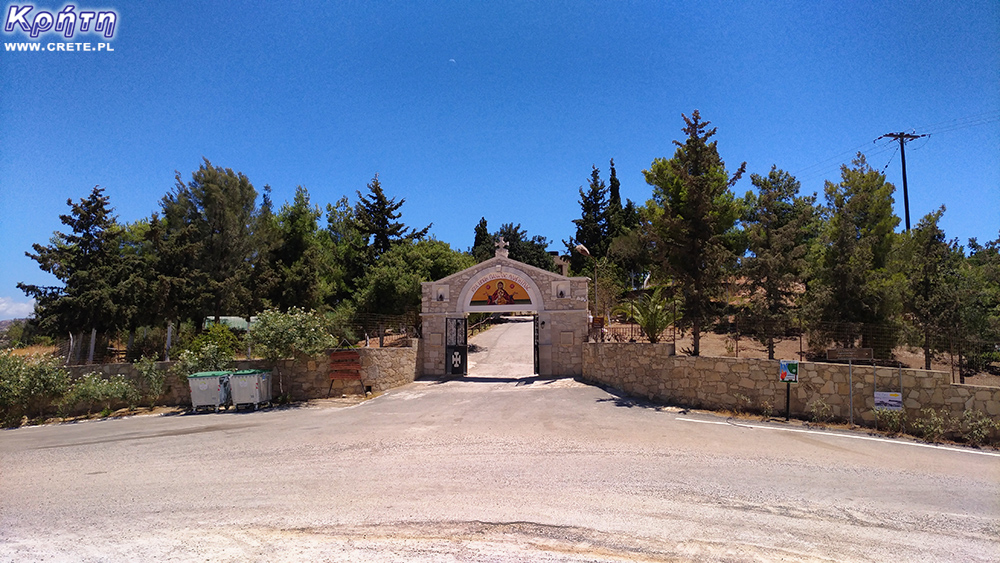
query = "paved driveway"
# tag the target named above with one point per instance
(489, 468)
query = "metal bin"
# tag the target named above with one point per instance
(209, 389)
(250, 387)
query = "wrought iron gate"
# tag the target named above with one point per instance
(456, 347)
(534, 343)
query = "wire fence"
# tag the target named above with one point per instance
(889, 345)
(359, 331)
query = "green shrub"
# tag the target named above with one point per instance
(893, 421)
(742, 403)
(276, 335)
(209, 357)
(93, 390)
(153, 380)
(29, 386)
(977, 427)
(766, 410)
(221, 336)
(820, 412)
(933, 425)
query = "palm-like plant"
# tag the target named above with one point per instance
(652, 312)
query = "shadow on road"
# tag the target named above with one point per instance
(523, 380)
(619, 399)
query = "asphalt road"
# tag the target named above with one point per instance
(494, 467)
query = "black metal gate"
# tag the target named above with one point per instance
(456, 347)
(534, 343)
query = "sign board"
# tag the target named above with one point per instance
(888, 401)
(849, 354)
(788, 372)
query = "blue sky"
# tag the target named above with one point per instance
(496, 110)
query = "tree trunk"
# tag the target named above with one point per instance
(249, 348)
(131, 342)
(166, 347)
(927, 350)
(69, 353)
(696, 337)
(78, 350)
(93, 343)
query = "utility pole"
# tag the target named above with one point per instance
(902, 138)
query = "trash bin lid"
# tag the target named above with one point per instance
(250, 372)
(208, 374)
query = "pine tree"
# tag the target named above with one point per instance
(218, 206)
(693, 227)
(615, 213)
(932, 266)
(377, 217)
(345, 246)
(851, 285)
(86, 261)
(779, 226)
(298, 255)
(483, 243)
(531, 250)
(592, 226)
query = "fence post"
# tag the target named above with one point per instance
(951, 354)
(800, 339)
(736, 323)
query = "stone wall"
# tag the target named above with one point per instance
(651, 371)
(303, 378)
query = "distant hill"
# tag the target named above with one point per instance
(4, 325)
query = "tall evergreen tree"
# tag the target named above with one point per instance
(980, 310)
(851, 284)
(86, 261)
(261, 275)
(482, 245)
(779, 226)
(521, 246)
(592, 226)
(932, 266)
(180, 287)
(531, 250)
(299, 257)
(693, 227)
(615, 213)
(218, 205)
(377, 217)
(346, 247)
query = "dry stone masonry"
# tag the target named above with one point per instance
(652, 371)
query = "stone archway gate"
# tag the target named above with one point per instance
(502, 285)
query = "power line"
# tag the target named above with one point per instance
(833, 163)
(962, 123)
(886, 167)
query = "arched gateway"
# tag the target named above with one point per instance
(502, 285)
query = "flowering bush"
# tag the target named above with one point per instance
(276, 335)
(29, 386)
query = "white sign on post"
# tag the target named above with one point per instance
(888, 401)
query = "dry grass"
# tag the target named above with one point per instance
(34, 350)
(720, 345)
